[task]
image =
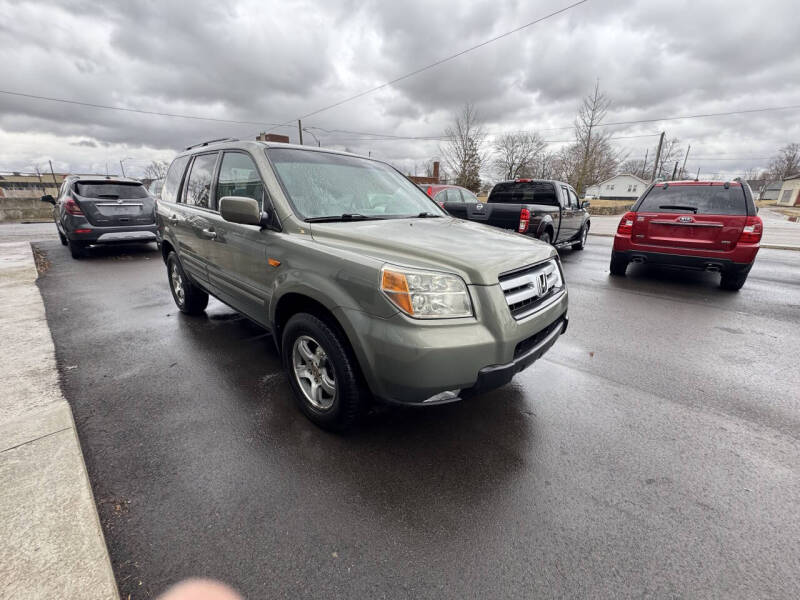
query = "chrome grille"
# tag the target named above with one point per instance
(528, 289)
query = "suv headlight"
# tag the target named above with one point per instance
(426, 294)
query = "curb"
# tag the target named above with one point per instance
(51, 539)
(768, 246)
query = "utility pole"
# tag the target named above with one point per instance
(697, 177)
(300, 130)
(658, 156)
(123, 168)
(683, 168)
(55, 181)
(674, 171)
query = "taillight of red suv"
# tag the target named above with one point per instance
(752, 231)
(626, 223)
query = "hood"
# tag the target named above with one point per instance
(478, 253)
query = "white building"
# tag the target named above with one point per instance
(619, 187)
(790, 191)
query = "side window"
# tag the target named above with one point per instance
(453, 195)
(169, 193)
(469, 197)
(573, 199)
(441, 196)
(238, 176)
(564, 197)
(198, 184)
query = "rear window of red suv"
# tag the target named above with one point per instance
(703, 199)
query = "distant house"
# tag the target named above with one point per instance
(16, 184)
(790, 191)
(424, 180)
(771, 190)
(619, 187)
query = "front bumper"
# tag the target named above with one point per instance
(411, 361)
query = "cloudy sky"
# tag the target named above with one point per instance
(268, 62)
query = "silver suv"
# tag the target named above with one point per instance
(370, 290)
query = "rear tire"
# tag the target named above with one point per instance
(584, 233)
(618, 266)
(189, 298)
(318, 359)
(546, 237)
(732, 282)
(76, 249)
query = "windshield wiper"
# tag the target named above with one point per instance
(678, 207)
(342, 217)
(425, 215)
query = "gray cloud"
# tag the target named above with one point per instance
(272, 62)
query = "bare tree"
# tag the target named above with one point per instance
(596, 159)
(462, 152)
(516, 153)
(750, 174)
(786, 163)
(157, 169)
(636, 166)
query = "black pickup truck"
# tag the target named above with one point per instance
(544, 209)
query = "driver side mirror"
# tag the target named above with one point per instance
(585, 204)
(243, 210)
(48, 198)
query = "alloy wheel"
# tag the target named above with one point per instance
(314, 372)
(177, 284)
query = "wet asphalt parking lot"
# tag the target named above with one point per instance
(653, 452)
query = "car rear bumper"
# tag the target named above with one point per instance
(113, 235)
(742, 255)
(684, 261)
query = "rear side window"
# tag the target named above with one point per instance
(198, 185)
(469, 196)
(453, 195)
(697, 199)
(112, 191)
(169, 193)
(524, 192)
(238, 176)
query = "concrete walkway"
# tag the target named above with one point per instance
(779, 233)
(51, 543)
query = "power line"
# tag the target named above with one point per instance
(137, 110)
(442, 60)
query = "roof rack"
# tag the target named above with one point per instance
(226, 139)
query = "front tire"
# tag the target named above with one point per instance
(732, 282)
(323, 373)
(62, 237)
(76, 249)
(584, 234)
(189, 298)
(618, 266)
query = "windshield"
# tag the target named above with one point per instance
(700, 199)
(326, 185)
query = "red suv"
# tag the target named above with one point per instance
(442, 193)
(705, 225)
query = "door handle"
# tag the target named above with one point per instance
(209, 233)
(173, 219)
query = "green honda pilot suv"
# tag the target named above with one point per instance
(370, 290)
